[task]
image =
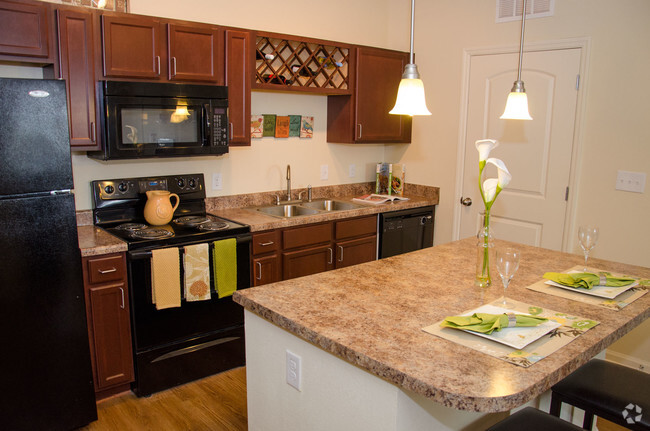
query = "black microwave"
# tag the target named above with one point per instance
(145, 119)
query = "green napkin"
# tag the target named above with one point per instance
(588, 280)
(487, 323)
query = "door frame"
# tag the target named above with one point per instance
(583, 44)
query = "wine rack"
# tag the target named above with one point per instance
(307, 65)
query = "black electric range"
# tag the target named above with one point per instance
(199, 338)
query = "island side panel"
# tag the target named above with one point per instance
(334, 394)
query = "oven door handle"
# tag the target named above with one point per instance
(146, 254)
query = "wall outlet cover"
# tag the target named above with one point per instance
(630, 181)
(352, 171)
(294, 370)
(216, 181)
(324, 172)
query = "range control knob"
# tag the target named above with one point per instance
(192, 183)
(109, 189)
(181, 182)
(122, 187)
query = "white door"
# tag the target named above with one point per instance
(532, 209)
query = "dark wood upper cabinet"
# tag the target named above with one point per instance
(239, 69)
(131, 47)
(363, 117)
(25, 32)
(76, 65)
(194, 54)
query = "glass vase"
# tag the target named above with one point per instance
(484, 247)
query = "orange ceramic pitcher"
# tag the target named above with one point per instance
(158, 210)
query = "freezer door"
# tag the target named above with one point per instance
(34, 137)
(47, 379)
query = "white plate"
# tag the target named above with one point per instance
(608, 292)
(517, 337)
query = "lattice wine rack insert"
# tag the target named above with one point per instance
(301, 65)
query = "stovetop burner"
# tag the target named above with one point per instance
(191, 220)
(131, 227)
(151, 233)
(213, 226)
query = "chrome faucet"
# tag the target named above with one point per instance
(288, 182)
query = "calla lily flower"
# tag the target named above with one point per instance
(504, 174)
(484, 146)
(490, 190)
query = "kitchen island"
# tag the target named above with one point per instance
(366, 363)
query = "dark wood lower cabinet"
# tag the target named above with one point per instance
(109, 327)
(283, 254)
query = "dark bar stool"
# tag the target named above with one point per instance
(611, 391)
(530, 419)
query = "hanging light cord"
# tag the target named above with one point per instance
(412, 22)
(521, 42)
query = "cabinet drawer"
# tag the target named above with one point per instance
(307, 235)
(266, 242)
(356, 227)
(108, 268)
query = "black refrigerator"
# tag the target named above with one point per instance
(46, 381)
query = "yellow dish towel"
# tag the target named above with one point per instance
(224, 259)
(165, 278)
(196, 265)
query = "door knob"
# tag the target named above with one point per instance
(466, 201)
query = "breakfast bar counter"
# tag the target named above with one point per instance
(358, 331)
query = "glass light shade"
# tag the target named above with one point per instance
(410, 98)
(101, 4)
(516, 107)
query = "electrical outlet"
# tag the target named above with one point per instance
(352, 171)
(294, 368)
(324, 172)
(216, 181)
(630, 181)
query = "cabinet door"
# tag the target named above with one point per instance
(239, 68)
(131, 47)
(307, 261)
(76, 57)
(356, 251)
(24, 30)
(266, 269)
(379, 72)
(110, 324)
(194, 54)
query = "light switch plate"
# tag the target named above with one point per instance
(216, 181)
(630, 181)
(352, 171)
(324, 172)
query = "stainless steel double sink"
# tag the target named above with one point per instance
(306, 208)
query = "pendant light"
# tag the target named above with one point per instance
(410, 94)
(517, 103)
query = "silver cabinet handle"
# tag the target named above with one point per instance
(158, 63)
(331, 255)
(360, 131)
(466, 201)
(174, 66)
(231, 130)
(341, 258)
(93, 132)
(259, 266)
(122, 291)
(264, 244)
(106, 271)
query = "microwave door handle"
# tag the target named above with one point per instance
(205, 124)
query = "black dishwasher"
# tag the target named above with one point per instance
(405, 230)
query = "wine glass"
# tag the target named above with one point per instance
(588, 235)
(507, 265)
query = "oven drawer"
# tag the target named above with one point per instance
(106, 268)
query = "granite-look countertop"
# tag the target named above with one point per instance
(371, 315)
(94, 241)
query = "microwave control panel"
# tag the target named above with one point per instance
(219, 127)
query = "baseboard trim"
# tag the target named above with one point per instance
(628, 361)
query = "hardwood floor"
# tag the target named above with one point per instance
(215, 403)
